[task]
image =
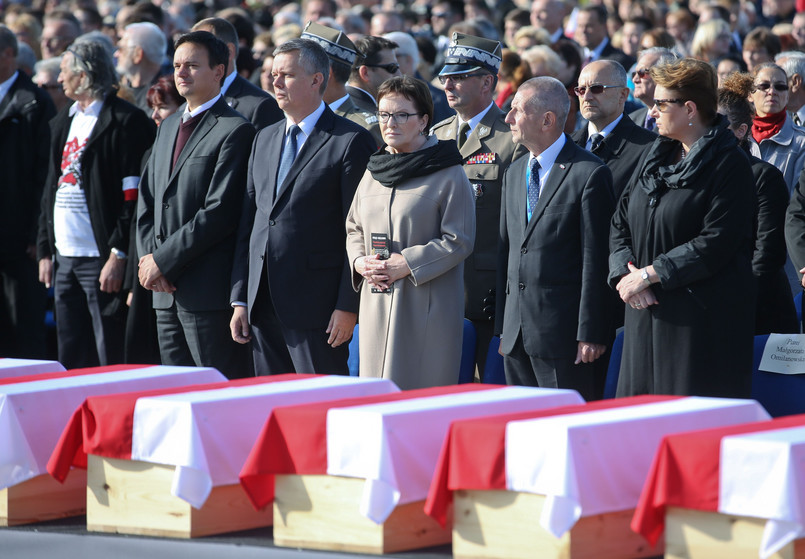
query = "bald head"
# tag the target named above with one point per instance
(604, 107)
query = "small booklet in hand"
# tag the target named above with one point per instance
(381, 245)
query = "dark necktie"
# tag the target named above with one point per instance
(595, 142)
(650, 122)
(463, 130)
(288, 155)
(533, 184)
(185, 131)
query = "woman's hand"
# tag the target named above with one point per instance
(382, 273)
(634, 291)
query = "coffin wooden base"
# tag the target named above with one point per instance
(321, 512)
(133, 497)
(43, 498)
(505, 524)
(694, 534)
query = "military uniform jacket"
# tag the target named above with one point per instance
(487, 154)
(365, 119)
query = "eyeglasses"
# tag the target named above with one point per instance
(764, 86)
(596, 89)
(642, 73)
(458, 78)
(662, 104)
(391, 67)
(399, 118)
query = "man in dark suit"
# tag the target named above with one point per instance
(644, 85)
(24, 114)
(609, 134)
(592, 35)
(290, 267)
(97, 146)
(553, 303)
(191, 194)
(469, 77)
(239, 93)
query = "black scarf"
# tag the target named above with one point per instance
(659, 176)
(390, 169)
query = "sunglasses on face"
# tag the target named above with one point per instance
(596, 89)
(642, 73)
(391, 67)
(458, 78)
(778, 86)
(662, 104)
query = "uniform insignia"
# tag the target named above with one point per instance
(481, 158)
(483, 130)
(477, 189)
(561, 165)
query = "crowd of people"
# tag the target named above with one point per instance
(240, 185)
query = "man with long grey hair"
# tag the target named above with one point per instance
(96, 150)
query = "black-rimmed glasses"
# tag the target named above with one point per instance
(399, 118)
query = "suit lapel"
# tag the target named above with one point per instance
(559, 171)
(232, 93)
(208, 122)
(318, 137)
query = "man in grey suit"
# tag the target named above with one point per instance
(291, 283)
(239, 93)
(485, 142)
(190, 198)
(553, 300)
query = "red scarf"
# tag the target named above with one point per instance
(764, 127)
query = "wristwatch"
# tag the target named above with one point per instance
(119, 254)
(644, 276)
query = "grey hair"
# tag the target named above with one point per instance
(92, 59)
(8, 40)
(666, 56)
(792, 61)
(150, 38)
(312, 57)
(548, 94)
(49, 66)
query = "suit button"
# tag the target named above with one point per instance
(262, 257)
(271, 222)
(160, 238)
(521, 286)
(523, 250)
(165, 206)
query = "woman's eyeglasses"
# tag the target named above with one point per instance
(662, 104)
(399, 118)
(778, 86)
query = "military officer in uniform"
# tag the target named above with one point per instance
(469, 77)
(342, 54)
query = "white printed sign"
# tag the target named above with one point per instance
(784, 353)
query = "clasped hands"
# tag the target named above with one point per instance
(151, 276)
(634, 291)
(381, 274)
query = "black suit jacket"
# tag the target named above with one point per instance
(623, 150)
(24, 141)
(297, 239)
(252, 102)
(114, 150)
(187, 216)
(552, 271)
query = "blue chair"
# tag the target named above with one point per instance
(466, 371)
(614, 369)
(780, 394)
(354, 361)
(493, 369)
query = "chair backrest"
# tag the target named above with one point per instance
(614, 369)
(493, 369)
(780, 394)
(354, 359)
(466, 371)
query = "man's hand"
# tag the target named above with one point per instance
(111, 279)
(587, 352)
(46, 272)
(239, 325)
(342, 324)
(151, 277)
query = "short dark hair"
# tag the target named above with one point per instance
(217, 51)
(763, 37)
(369, 49)
(312, 57)
(412, 89)
(597, 9)
(222, 29)
(8, 40)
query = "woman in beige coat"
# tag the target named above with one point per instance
(410, 227)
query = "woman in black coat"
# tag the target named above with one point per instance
(681, 248)
(774, 310)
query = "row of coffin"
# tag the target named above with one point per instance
(343, 463)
